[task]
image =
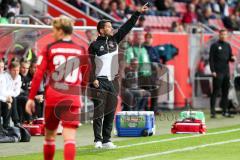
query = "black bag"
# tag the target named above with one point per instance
(25, 135)
(14, 132)
(11, 135)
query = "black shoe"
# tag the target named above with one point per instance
(227, 115)
(213, 116)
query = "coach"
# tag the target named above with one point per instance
(220, 56)
(104, 59)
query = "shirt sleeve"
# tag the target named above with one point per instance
(3, 91)
(211, 58)
(38, 76)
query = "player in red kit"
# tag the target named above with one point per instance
(64, 63)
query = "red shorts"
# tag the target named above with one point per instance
(68, 115)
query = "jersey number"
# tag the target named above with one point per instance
(66, 69)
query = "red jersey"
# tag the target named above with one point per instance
(65, 65)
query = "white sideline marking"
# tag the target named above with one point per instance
(177, 138)
(181, 150)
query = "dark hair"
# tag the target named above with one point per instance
(101, 24)
(133, 59)
(24, 60)
(148, 35)
(14, 63)
(33, 61)
(222, 30)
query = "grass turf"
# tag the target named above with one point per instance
(220, 152)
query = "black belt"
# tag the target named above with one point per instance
(107, 78)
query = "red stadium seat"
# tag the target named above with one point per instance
(180, 7)
(160, 23)
(217, 23)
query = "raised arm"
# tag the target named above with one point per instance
(126, 27)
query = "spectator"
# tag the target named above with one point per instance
(123, 10)
(221, 8)
(232, 22)
(207, 14)
(131, 85)
(190, 16)
(139, 52)
(155, 64)
(91, 35)
(104, 5)
(153, 55)
(176, 27)
(47, 19)
(10, 84)
(23, 97)
(114, 10)
(201, 6)
(78, 4)
(165, 7)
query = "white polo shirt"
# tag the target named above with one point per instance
(8, 86)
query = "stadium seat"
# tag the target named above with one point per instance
(180, 7)
(217, 23)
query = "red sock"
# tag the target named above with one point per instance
(69, 150)
(49, 149)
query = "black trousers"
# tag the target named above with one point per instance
(105, 103)
(21, 101)
(23, 115)
(149, 83)
(4, 111)
(140, 99)
(7, 113)
(220, 84)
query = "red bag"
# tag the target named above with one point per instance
(189, 126)
(36, 128)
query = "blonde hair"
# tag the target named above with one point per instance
(64, 23)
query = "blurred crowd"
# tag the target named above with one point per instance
(189, 12)
(193, 11)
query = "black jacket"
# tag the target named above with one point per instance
(220, 55)
(108, 45)
(26, 81)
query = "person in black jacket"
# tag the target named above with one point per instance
(104, 58)
(220, 56)
(22, 98)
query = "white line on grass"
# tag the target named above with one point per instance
(177, 138)
(180, 150)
